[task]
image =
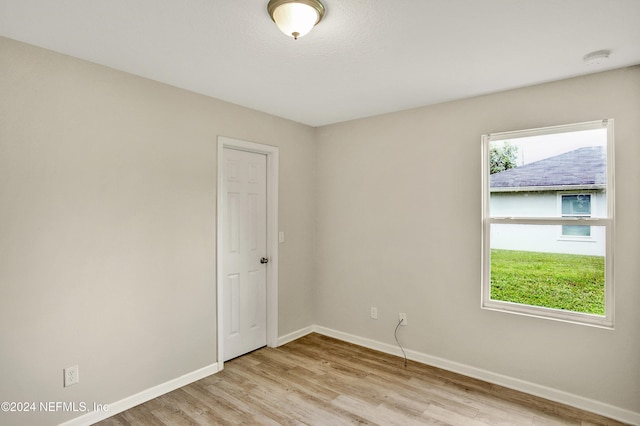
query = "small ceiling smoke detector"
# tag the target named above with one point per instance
(596, 58)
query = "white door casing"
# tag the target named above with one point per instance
(246, 232)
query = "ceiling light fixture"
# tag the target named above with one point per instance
(295, 18)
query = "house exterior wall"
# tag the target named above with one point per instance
(547, 239)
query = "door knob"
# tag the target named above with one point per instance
(264, 260)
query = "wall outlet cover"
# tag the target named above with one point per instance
(71, 376)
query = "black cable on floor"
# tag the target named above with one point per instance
(395, 334)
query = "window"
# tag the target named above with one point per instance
(576, 205)
(548, 222)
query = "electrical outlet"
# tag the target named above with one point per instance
(374, 312)
(402, 317)
(71, 376)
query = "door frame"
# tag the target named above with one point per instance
(272, 154)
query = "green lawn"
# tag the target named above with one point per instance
(561, 281)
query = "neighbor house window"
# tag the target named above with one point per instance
(548, 222)
(576, 205)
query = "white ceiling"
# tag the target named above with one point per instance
(366, 57)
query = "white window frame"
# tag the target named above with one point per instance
(606, 321)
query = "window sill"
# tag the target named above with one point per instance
(578, 318)
(577, 239)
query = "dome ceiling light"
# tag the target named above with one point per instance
(295, 18)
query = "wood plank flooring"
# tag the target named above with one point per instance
(317, 380)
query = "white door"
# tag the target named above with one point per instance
(245, 252)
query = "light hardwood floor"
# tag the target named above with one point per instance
(317, 380)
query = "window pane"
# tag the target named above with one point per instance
(526, 174)
(576, 204)
(531, 266)
(576, 230)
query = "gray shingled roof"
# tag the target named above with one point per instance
(583, 167)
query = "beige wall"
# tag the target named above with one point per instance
(107, 228)
(398, 227)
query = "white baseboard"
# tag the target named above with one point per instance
(562, 397)
(295, 335)
(144, 396)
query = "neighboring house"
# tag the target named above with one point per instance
(571, 184)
